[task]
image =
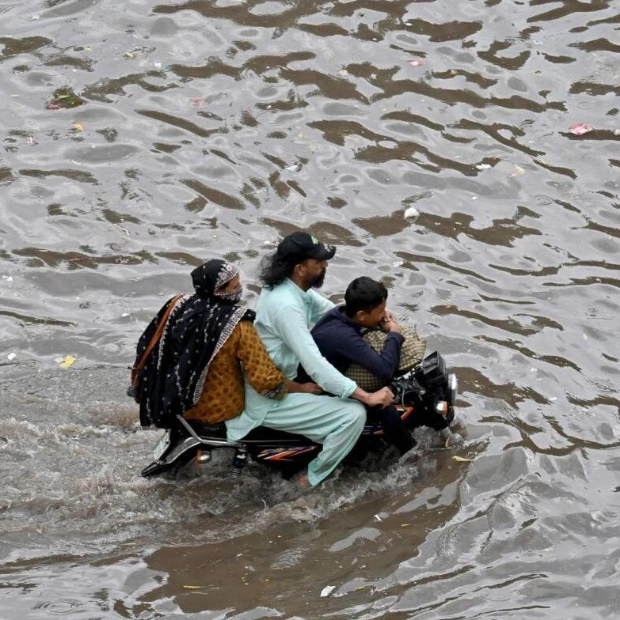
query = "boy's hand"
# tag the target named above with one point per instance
(388, 324)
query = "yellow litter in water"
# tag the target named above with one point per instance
(193, 587)
(462, 459)
(78, 126)
(67, 361)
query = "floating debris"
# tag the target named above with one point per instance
(327, 590)
(64, 98)
(580, 129)
(461, 459)
(419, 62)
(411, 212)
(11, 356)
(65, 362)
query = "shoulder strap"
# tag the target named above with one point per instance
(135, 371)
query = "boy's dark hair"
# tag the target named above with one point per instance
(365, 294)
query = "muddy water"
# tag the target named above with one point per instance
(431, 141)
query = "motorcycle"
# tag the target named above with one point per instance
(425, 396)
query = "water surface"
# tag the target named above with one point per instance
(432, 143)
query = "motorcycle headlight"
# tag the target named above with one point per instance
(453, 386)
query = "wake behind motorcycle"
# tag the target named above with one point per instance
(425, 396)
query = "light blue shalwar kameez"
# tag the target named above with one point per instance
(284, 316)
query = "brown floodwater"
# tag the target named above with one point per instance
(467, 153)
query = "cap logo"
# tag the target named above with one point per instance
(314, 239)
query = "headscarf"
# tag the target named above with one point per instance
(206, 321)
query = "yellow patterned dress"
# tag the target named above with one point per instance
(223, 393)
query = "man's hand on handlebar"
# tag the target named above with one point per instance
(381, 398)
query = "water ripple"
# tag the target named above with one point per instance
(434, 143)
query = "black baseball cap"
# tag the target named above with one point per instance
(301, 245)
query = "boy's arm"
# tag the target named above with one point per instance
(351, 345)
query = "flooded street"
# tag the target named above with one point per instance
(467, 154)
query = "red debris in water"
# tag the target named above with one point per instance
(416, 63)
(580, 129)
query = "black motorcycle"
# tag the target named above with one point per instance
(425, 396)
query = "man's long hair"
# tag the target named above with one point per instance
(274, 270)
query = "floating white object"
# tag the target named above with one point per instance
(327, 590)
(11, 356)
(412, 212)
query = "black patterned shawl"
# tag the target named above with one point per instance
(203, 325)
(173, 377)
